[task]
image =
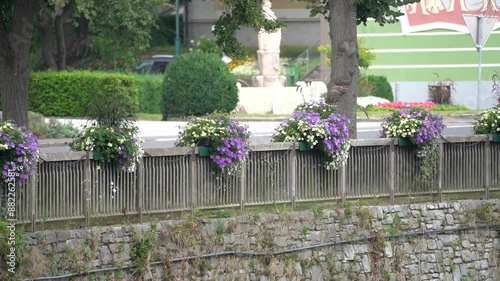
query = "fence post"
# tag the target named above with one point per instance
(293, 175)
(32, 200)
(86, 189)
(342, 172)
(243, 184)
(193, 181)
(487, 166)
(140, 188)
(392, 171)
(439, 176)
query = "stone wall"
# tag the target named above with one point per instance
(434, 241)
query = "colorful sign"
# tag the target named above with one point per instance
(445, 14)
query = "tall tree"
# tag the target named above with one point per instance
(343, 17)
(127, 22)
(16, 31)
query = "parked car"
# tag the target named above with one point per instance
(155, 64)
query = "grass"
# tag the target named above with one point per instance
(372, 114)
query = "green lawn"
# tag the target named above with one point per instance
(376, 113)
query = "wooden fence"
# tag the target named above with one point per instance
(72, 186)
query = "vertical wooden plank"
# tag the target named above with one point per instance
(342, 172)
(32, 197)
(139, 188)
(243, 184)
(487, 165)
(293, 174)
(392, 171)
(439, 176)
(86, 189)
(193, 181)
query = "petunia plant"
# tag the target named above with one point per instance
(228, 140)
(488, 122)
(417, 124)
(319, 126)
(119, 143)
(18, 152)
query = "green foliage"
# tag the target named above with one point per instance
(197, 84)
(119, 143)
(163, 33)
(51, 129)
(372, 85)
(207, 45)
(365, 56)
(449, 107)
(237, 14)
(10, 238)
(248, 13)
(140, 252)
(382, 11)
(149, 88)
(121, 29)
(488, 122)
(97, 95)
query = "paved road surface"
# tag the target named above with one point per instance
(158, 134)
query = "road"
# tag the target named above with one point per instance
(158, 134)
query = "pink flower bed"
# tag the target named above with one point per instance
(402, 104)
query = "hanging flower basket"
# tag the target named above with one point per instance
(316, 126)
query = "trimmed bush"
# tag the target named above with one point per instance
(196, 84)
(81, 93)
(372, 85)
(149, 88)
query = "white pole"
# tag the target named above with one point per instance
(479, 47)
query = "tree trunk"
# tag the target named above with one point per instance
(61, 43)
(14, 68)
(47, 27)
(344, 58)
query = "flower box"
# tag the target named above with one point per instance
(404, 142)
(303, 146)
(496, 137)
(97, 155)
(203, 151)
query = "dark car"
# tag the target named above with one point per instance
(155, 64)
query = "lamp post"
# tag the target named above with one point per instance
(177, 30)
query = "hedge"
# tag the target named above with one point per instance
(74, 94)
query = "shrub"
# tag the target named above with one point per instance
(197, 84)
(51, 129)
(81, 93)
(149, 88)
(372, 85)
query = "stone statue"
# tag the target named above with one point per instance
(268, 55)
